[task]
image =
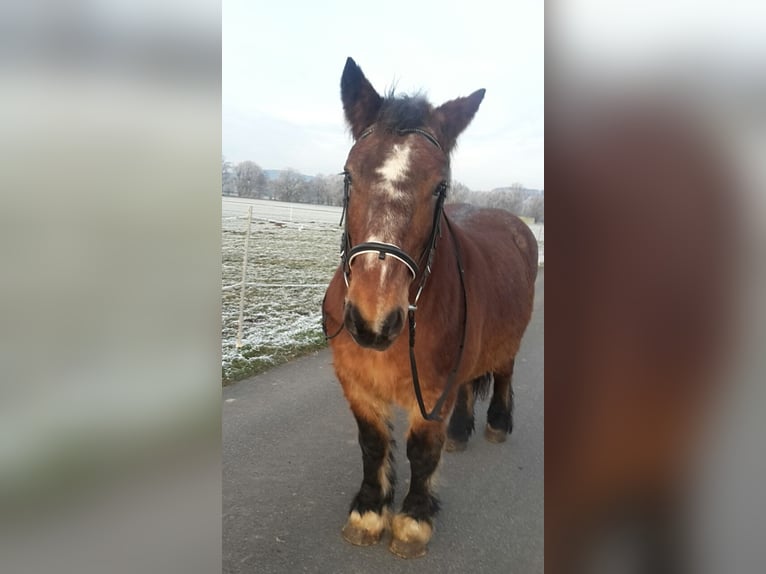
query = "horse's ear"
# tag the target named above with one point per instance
(454, 116)
(361, 102)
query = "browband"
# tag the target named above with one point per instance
(428, 135)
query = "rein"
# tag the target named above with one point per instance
(432, 416)
(382, 249)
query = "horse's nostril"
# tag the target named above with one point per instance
(354, 321)
(392, 324)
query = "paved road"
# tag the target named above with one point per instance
(291, 464)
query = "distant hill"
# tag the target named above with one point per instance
(272, 174)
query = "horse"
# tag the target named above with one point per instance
(465, 276)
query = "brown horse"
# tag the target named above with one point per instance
(466, 274)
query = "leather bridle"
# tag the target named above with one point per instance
(348, 253)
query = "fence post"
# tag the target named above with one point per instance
(244, 274)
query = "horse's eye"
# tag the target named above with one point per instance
(346, 176)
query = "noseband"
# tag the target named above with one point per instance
(347, 255)
(382, 249)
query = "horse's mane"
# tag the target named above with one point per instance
(403, 112)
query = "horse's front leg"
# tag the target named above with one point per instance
(370, 511)
(413, 526)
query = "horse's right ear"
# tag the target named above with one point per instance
(361, 102)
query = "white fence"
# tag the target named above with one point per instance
(280, 212)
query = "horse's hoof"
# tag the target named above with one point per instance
(495, 435)
(454, 445)
(365, 529)
(360, 537)
(402, 549)
(409, 536)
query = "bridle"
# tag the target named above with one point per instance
(348, 253)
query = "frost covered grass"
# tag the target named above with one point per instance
(289, 266)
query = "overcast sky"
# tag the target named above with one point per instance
(282, 63)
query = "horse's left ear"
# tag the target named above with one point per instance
(454, 116)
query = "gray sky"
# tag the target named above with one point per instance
(282, 63)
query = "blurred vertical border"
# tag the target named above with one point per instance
(110, 145)
(655, 172)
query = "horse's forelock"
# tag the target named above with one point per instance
(404, 112)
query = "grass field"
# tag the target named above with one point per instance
(289, 266)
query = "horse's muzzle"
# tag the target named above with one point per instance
(366, 335)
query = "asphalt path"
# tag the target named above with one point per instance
(291, 464)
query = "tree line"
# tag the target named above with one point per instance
(247, 179)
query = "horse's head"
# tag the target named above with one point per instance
(396, 175)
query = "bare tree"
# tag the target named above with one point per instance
(251, 181)
(289, 186)
(335, 189)
(228, 178)
(534, 206)
(312, 190)
(458, 193)
(321, 189)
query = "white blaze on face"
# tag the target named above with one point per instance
(394, 170)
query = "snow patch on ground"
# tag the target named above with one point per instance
(289, 265)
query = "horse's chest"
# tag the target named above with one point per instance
(384, 374)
